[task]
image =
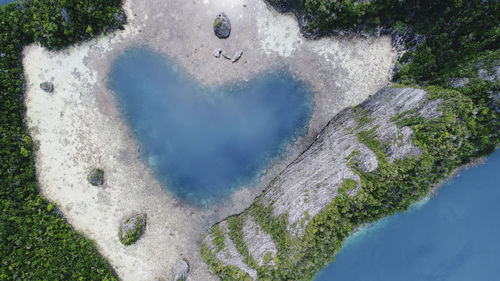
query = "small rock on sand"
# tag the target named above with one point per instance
(180, 270)
(47, 87)
(217, 52)
(226, 55)
(237, 56)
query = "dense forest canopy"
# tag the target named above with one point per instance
(454, 30)
(37, 244)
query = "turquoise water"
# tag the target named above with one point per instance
(451, 237)
(205, 142)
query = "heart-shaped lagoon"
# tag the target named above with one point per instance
(205, 142)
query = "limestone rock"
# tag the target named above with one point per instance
(217, 52)
(222, 26)
(458, 82)
(47, 87)
(227, 55)
(314, 179)
(487, 76)
(237, 56)
(96, 177)
(180, 270)
(131, 229)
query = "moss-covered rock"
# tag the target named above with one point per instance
(96, 177)
(222, 26)
(47, 87)
(131, 229)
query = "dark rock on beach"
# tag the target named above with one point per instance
(47, 87)
(222, 26)
(131, 229)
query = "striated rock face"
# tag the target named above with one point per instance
(312, 181)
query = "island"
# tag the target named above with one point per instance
(405, 93)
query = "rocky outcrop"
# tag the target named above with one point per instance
(491, 76)
(322, 173)
(131, 229)
(458, 82)
(222, 26)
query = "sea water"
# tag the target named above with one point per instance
(453, 236)
(205, 142)
(3, 2)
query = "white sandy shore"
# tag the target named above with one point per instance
(79, 126)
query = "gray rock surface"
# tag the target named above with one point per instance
(259, 242)
(226, 55)
(180, 270)
(237, 56)
(230, 255)
(311, 181)
(458, 82)
(489, 76)
(217, 52)
(222, 26)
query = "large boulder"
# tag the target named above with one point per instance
(180, 270)
(131, 229)
(222, 26)
(96, 177)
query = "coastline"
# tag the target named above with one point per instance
(418, 204)
(79, 126)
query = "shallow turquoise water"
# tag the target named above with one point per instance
(205, 142)
(451, 237)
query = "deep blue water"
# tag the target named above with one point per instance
(452, 237)
(3, 2)
(205, 142)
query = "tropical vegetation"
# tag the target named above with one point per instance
(442, 41)
(37, 243)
